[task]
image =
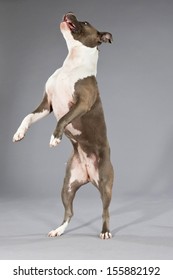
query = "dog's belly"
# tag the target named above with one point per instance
(90, 164)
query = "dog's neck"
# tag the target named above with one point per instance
(81, 55)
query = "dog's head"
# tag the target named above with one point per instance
(82, 32)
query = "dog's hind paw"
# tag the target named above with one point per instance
(53, 233)
(54, 141)
(58, 231)
(105, 235)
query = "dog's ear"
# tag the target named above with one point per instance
(105, 37)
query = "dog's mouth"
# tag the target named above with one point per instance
(70, 23)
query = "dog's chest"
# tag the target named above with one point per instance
(61, 88)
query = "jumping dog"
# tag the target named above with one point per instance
(72, 94)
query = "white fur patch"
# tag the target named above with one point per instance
(78, 172)
(37, 116)
(68, 37)
(92, 171)
(59, 231)
(54, 141)
(27, 121)
(90, 165)
(73, 130)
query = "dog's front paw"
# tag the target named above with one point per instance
(19, 135)
(105, 235)
(54, 141)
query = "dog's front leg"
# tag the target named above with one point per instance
(42, 110)
(78, 110)
(86, 93)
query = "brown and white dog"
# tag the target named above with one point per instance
(72, 94)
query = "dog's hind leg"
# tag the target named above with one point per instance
(106, 175)
(76, 176)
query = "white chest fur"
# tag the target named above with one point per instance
(81, 62)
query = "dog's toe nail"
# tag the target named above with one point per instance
(51, 234)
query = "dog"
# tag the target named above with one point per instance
(72, 94)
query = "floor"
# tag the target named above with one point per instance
(141, 228)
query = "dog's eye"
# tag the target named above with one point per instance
(85, 23)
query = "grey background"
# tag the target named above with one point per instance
(135, 81)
